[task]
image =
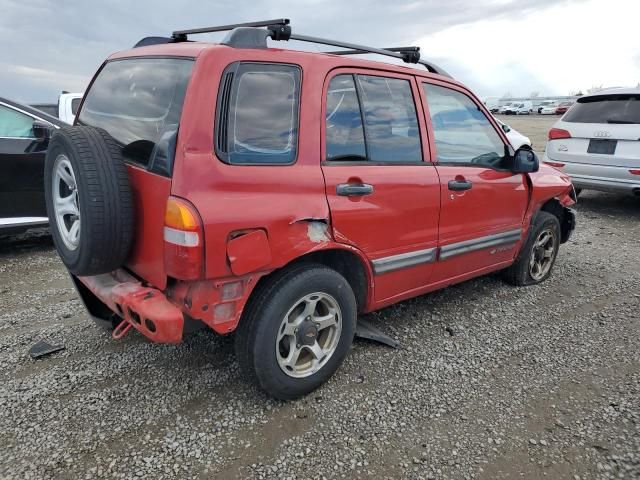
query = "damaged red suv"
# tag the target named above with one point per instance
(278, 194)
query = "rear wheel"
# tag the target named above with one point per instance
(538, 255)
(297, 330)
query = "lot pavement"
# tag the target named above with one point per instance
(493, 382)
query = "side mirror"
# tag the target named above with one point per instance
(506, 128)
(42, 130)
(525, 161)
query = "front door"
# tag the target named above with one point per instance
(383, 191)
(483, 203)
(21, 169)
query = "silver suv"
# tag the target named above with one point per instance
(597, 142)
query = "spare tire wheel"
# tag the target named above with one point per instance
(89, 200)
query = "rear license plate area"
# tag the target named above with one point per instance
(603, 147)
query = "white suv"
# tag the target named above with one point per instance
(597, 141)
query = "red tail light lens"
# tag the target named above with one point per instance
(558, 133)
(183, 240)
(634, 172)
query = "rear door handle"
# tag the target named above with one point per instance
(354, 189)
(459, 185)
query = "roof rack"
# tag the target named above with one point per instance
(278, 24)
(252, 35)
(406, 54)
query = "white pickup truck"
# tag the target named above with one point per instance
(65, 109)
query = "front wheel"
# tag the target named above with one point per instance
(538, 255)
(297, 330)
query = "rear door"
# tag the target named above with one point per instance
(483, 203)
(21, 168)
(383, 191)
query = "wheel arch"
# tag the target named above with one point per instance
(347, 261)
(555, 208)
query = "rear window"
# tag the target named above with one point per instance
(606, 109)
(139, 102)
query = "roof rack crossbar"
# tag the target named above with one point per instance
(182, 34)
(406, 54)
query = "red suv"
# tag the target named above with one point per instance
(278, 194)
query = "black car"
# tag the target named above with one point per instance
(24, 138)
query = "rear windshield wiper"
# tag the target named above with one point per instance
(622, 122)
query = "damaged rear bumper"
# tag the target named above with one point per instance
(147, 309)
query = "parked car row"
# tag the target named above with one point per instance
(546, 107)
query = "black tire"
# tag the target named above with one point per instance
(104, 200)
(257, 333)
(520, 272)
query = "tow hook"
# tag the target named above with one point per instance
(121, 330)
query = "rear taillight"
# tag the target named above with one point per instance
(558, 133)
(634, 172)
(183, 240)
(554, 164)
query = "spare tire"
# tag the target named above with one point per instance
(89, 200)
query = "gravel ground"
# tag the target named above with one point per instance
(493, 382)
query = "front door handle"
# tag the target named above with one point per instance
(354, 189)
(460, 185)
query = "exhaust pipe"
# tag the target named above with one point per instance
(636, 191)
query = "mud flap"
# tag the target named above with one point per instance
(365, 330)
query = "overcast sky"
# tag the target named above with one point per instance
(553, 47)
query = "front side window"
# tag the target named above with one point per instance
(14, 124)
(138, 101)
(463, 134)
(371, 118)
(258, 114)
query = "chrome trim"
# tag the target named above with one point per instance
(22, 221)
(498, 239)
(404, 260)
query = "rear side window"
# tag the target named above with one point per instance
(344, 132)
(463, 134)
(371, 118)
(257, 119)
(606, 109)
(139, 102)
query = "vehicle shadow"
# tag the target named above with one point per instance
(31, 241)
(613, 205)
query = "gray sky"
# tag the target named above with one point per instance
(493, 46)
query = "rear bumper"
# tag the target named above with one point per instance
(147, 309)
(601, 177)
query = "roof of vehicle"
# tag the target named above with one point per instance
(614, 91)
(195, 49)
(33, 111)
